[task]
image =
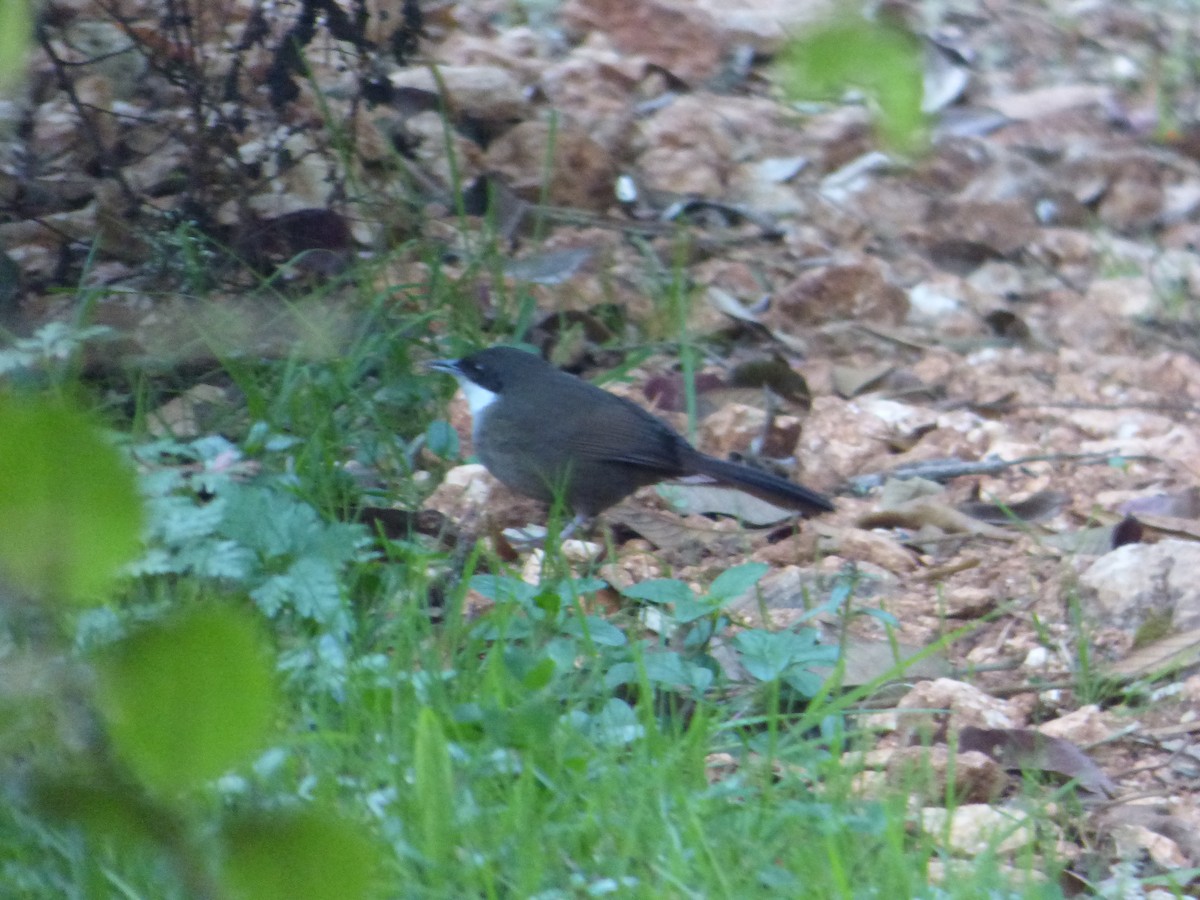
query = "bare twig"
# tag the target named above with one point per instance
(946, 469)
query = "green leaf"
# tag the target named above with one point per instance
(616, 724)
(68, 500)
(767, 655)
(434, 782)
(187, 699)
(297, 855)
(502, 588)
(442, 439)
(311, 588)
(882, 60)
(539, 674)
(570, 589)
(659, 590)
(669, 669)
(269, 522)
(598, 630)
(16, 26)
(804, 682)
(690, 610)
(726, 587)
(111, 812)
(734, 582)
(549, 601)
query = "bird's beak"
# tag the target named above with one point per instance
(449, 366)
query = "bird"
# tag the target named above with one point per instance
(550, 435)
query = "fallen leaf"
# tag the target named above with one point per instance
(1169, 654)
(1023, 749)
(1035, 508)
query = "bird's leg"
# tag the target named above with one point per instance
(576, 520)
(536, 535)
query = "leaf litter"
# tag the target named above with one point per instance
(1030, 279)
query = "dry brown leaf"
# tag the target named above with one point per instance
(1023, 748)
(672, 534)
(721, 499)
(549, 267)
(1171, 527)
(925, 512)
(1035, 508)
(1183, 504)
(1168, 654)
(850, 381)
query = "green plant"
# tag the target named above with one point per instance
(16, 28)
(177, 700)
(883, 60)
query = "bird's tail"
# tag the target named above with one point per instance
(761, 484)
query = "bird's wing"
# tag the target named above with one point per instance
(645, 440)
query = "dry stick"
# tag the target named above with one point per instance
(946, 469)
(109, 168)
(1148, 405)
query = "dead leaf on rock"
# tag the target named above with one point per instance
(1183, 504)
(689, 499)
(1025, 749)
(869, 546)
(1082, 541)
(1159, 527)
(850, 381)
(1169, 654)
(917, 514)
(549, 267)
(728, 304)
(1085, 726)
(744, 427)
(669, 391)
(674, 535)
(1035, 508)
(782, 598)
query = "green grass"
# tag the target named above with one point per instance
(535, 751)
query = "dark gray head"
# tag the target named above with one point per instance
(487, 373)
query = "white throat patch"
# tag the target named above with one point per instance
(478, 398)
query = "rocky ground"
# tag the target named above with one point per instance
(987, 350)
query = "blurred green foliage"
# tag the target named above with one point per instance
(879, 59)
